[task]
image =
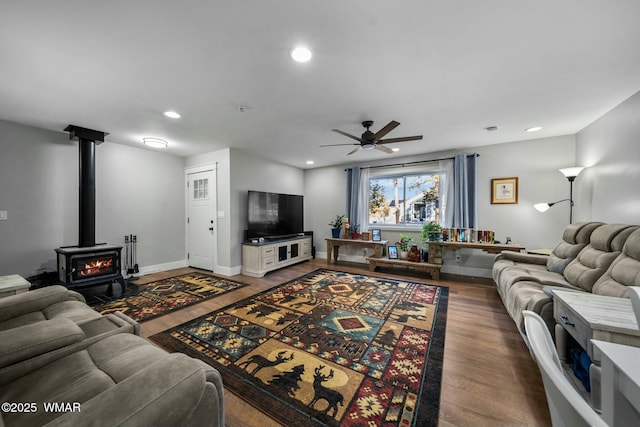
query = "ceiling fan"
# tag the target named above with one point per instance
(370, 140)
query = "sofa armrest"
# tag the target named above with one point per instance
(39, 299)
(25, 342)
(169, 392)
(522, 257)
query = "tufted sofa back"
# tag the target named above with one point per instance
(605, 245)
(624, 271)
(574, 238)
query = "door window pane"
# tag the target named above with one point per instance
(200, 189)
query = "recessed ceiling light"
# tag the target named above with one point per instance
(301, 54)
(310, 162)
(395, 149)
(172, 114)
(533, 129)
(155, 142)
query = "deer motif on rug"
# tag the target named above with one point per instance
(262, 362)
(332, 397)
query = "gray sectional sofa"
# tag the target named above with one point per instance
(56, 349)
(603, 259)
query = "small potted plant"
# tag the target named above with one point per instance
(403, 245)
(431, 232)
(336, 226)
(355, 231)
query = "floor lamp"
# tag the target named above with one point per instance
(570, 174)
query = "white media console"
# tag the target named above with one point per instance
(260, 258)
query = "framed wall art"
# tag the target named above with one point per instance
(504, 191)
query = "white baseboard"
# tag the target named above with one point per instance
(446, 268)
(345, 257)
(228, 271)
(223, 271)
(466, 271)
(159, 267)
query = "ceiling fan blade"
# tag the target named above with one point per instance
(402, 139)
(388, 128)
(383, 148)
(336, 145)
(354, 151)
(357, 138)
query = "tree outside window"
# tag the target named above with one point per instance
(404, 199)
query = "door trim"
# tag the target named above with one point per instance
(208, 167)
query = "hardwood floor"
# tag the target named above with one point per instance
(488, 379)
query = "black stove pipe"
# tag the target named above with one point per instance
(87, 193)
(87, 183)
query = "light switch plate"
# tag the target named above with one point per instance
(3, 215)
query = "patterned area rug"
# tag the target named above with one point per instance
(329, 349)
(160, 297)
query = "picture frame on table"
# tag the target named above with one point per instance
(365, 235)
(392, 252)
(376, 235)
(504, 191)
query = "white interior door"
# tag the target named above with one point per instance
(201, 219)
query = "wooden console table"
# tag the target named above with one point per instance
(433, 269)
(333, 246)
(437, 249)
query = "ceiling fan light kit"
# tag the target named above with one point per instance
(371, 141)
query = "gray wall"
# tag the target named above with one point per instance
(136, 190)
(608, 189)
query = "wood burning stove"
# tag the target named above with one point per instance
(88, 264)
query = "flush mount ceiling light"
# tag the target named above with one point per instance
(172, 114)
(533, 129)
(395, 149)
(155, 142)
(300, 54)
(310, 162)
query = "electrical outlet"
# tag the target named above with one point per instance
(365, 251)
(3, 215)
(458, 259)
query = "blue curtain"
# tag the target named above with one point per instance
(353, 194)
(465, 197)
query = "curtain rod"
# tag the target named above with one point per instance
(416, 162)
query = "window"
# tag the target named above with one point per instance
(200, 189)
(408, 199)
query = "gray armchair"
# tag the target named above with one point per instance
(48, 303)
(121, 380)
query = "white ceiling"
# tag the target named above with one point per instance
(445, 69)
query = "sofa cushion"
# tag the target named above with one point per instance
(51, 302)
(605, 245)
(80, 376)
(574, 238)
(624, 271)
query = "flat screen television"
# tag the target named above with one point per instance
(272, 215)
